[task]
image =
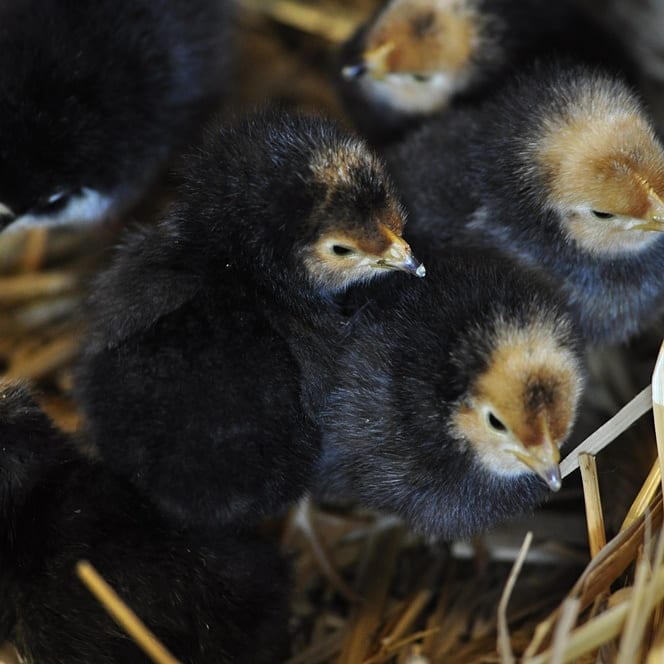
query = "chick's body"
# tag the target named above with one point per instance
(561, 171)
(416, 58)
(95, 98)
(447, 397)
(188, 384)
(221, 597)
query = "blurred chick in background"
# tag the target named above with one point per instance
(415, 58)
(188, 384)
(95, 98)
(221, 597)
(451, 398)
(562, 171)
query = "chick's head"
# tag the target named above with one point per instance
(604, 169)
(419, 53)
(356, 224)
(519, 409)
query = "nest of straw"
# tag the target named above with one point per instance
(581, 580)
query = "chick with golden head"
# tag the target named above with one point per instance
(450, 401)
(188, 384)
(562, 171)
(415, 58)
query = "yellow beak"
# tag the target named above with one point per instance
(399, 256)
(543, 459)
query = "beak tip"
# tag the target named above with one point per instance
(421, 271)
(351, 72)
(552, 477)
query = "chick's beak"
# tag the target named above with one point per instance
(543, 459)
(373, 62)
(399, 256)
(6, 217)
(654, 218)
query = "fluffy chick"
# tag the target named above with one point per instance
(96, 96)
(416, 57)
(188, 384)
(563, 171)
(450, 401)
(217, 598)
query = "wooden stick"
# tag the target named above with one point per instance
(591, 497)
(568, 614)
(658, 405)
(335, 27)
(600, 630)
(123, 615)
(27, 286)
(645, 495)
(610, 430)
(504, 644)
(375, 575)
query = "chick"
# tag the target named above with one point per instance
(562, 171)
(451, 400)
(416, 57)
(188, 384)
(221, 597)
(95, 98)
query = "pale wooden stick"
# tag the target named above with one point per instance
(631, 642)
(591, 497)
(336, 27)
(375, 576)
(645, 496)
(123, 615)
(45, 360)
(568, 614)
(609, 431)
(303, 520)
(600, 630)
(26, 286)
(504, 644)
(658, 405)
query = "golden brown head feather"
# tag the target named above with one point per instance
(603, 167)
(358, 222)
(422, 37)
(519, 410)
(420, 53)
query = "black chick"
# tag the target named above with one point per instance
(221, 597)
(563, 171)
(451, 400)
(188, 384)
(415, 58)
(95, 98)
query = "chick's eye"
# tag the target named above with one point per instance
(495, 423)
(342, 250)
(54, 203)
(603, 215)
(421, 78)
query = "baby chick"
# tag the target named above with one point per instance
(451, 400)
(188, 384)
(95, 97)
(563, 171)
(218, 598)
(416, 57)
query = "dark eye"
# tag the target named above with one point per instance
(603, 215)
(341, 250)
(495, 423)
(54, 203)
(421, 78)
